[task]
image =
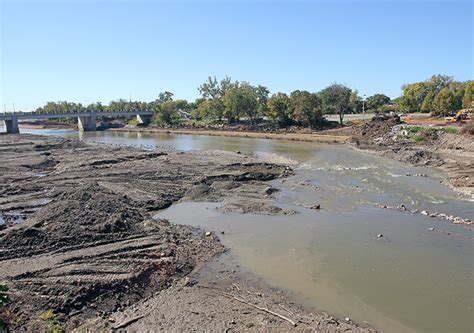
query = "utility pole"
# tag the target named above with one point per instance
(363, 107)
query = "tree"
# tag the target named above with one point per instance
(240, 100)
(335, 99)
(355, 102)
(376, 101)
(427, 104)
(443, 103)
(279, 108)
(165, 96)
(468, 96)
(413, 96)
(305, 108)
(214, 92)
(166, 113)
(262, 99)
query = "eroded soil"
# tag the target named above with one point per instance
(88, 249)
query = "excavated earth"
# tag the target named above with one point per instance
(77, 238)
(453, 154)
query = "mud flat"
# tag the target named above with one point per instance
(307, 137)
(88, 249)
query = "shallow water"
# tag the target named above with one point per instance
(418, 277)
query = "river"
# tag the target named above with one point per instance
(398, 271)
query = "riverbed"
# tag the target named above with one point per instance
(399, 271)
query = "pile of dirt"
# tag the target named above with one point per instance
(373, 130)
(91, 250)
(75, 217)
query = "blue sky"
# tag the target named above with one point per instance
(87, 51)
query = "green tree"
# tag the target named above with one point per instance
(468, 96)
(305, 108)
(166, 113)
(279, 108)
(375, 102)
(444, 102)
(214, 91)
(413, 96)
(241, 100)
(355, 102)
(165, 96)
(335, 99)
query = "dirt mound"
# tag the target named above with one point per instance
(376, 128)
(76, 217)
(102, 253)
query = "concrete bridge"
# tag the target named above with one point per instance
(86, 121)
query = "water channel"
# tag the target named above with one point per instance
(417, 277)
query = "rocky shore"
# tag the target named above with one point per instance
(87, 254)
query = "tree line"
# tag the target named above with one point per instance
(231, 101)
(439, 95)
(228, 101)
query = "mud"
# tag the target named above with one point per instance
(453, 154)
(90, 251)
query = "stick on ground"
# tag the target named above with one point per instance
(260, 308)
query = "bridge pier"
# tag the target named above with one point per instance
(87, 123)
(143, 119)
(12, 125)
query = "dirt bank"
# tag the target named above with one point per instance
(452, 153)
(308, 137)
(89, 250)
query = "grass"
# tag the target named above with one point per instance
(133, 121)
(417, 133)
(53, 325)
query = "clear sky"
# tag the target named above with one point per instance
(87, 51)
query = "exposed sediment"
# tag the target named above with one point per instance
(90, 251)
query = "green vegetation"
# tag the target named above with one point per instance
(3, 294)
(228, 101)
(53, 325)
(420, 133)
(440, 95)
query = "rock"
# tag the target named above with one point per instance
(402, 207)
(431, 229)
(316, 207)
(222, 232)
(424, 212)
(408, 174)
(238, 152)
(208, 233)
(379, 235)
(347, 319)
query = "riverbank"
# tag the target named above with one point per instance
(446, 149)
(88, 249)
(453, 154)
(307, 137)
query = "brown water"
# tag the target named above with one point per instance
(413, 279)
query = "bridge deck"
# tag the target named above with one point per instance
(73, 115)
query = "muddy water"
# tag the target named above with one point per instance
(417, 277)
